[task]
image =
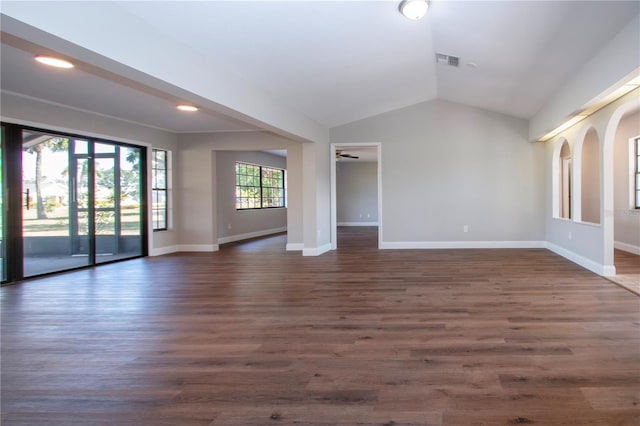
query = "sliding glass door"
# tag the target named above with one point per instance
(81, 202)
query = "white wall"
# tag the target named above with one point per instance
(356, 192)
(27, 111)
(234, 225)
(316, 179)
(627, 220)
(197, 172)
(446, 165)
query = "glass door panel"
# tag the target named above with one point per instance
(130, 211)
(105, 206)
(79, 206)
(47, 201)
(117, 202)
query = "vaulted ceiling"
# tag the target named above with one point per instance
(329, 62)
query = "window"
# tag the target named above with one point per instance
(259, 187)
(637, 173)
(159, 189)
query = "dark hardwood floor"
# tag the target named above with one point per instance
(253, 335)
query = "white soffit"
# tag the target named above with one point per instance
(123, 99)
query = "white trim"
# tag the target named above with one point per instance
(197, 247)
(461, 244)
(248, 235)
(598, 268)
(295, 246)
(316, 251)
(163, 250)
(630, 248)
(592, 224)
(357, 223)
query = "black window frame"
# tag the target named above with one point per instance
(636, 174)
(157, 189)
(264, 193)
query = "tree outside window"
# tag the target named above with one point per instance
(259, 187)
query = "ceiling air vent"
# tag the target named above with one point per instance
(453, 61)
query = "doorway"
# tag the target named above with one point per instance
(356, 153)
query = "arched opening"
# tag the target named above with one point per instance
(612, 214)
(590, 173)
(626, 226)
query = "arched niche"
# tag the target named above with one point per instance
(591, 177)
(562, 191)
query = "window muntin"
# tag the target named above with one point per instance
(259, 187)
(159, 189)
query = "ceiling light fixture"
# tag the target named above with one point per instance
(189, 108)
(54, 62)
(414, 9)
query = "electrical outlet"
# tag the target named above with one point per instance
(465, 228)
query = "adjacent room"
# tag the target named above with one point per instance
(416, 212)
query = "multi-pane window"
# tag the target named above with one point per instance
(259, 187)
(159, 189)
(637, 173)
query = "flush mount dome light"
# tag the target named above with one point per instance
(189, 108)
(414, 9)
(54, 62)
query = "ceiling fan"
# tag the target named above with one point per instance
(342, 154)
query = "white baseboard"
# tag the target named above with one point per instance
(316, 251)
(630, 248)
(460, 244)
(163, 250)
(598, 268)
(295, 246)
(198, 247)
(248, 235)
(357, 223)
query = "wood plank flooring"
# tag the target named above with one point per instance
(253, 335)
(627, 271)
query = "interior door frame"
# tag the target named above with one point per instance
(334, 214)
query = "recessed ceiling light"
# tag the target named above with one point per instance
(54, 62)
(189, 108)
(414, 9)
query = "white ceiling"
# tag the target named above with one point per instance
(339, 61)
